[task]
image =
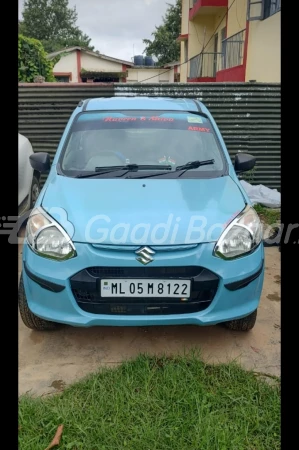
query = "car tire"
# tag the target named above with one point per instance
(244, 324)
(30, 319)
(35, 190)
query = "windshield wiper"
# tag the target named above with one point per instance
(193, 165)
(136, 167)
(127, 168)
(184, 168)
(97, 174)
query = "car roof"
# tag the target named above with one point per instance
(141, 103)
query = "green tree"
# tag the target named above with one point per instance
(32, 60)
(53, 23)
(164, 45)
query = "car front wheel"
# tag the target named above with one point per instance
(30, 319)
(244, 324)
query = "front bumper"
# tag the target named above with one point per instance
(48, 285)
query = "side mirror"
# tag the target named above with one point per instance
(244, 162)
(40, 162)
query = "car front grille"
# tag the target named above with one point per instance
(145, 272)
(85, 286)
(127, 307)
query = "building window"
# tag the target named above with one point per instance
(262, 9)
(271, 7)
(62, 79)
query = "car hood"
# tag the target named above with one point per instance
(143, 211)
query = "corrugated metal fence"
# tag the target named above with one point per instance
(248, 115)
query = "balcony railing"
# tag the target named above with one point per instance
(233, 50)
(205, 65)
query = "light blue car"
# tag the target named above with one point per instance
(142, 221)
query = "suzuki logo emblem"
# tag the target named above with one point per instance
(145, 255)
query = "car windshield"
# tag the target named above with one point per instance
(151, 140)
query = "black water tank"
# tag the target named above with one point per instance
(139, 60)
(149, 61)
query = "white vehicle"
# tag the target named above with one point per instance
(29, 187)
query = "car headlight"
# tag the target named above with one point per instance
(47, 238)
(241, 236)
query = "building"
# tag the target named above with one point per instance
(153, 74)
(176, 67)
(230, 40)
(78, 65)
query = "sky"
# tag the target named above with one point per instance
(117, 26)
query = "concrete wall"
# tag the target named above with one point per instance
(66, 64)
(236, 20)
(155, 75)
(184, 67)
(263, 57)
(184, 30)
(201, 29)
(89, 62)
(185, 17)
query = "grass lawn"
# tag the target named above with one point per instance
(268, 215)
(156, 404)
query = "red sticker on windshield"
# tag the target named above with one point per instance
(142, 119)
(120, 119)
(203, 130)
(161, 119)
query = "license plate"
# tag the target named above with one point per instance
(145, 288)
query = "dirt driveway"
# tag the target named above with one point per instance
(50, 360)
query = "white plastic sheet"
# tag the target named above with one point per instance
(262, 194)
(25, 170)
